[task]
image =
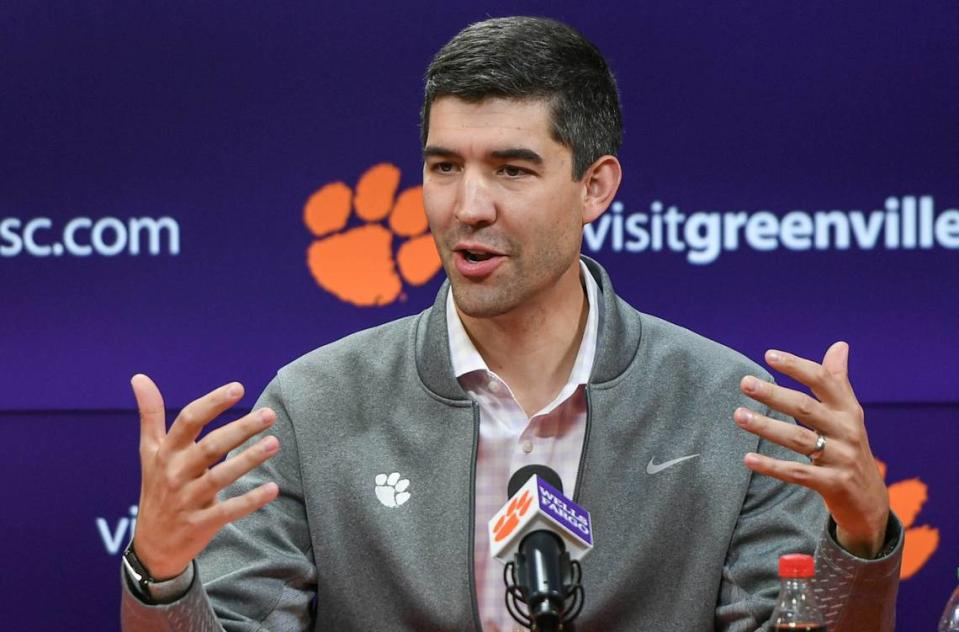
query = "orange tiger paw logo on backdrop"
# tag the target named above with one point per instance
(360, 265)
(906, 499)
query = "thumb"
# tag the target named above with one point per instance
(152, 412)
(836, 360)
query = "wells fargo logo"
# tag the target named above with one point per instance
(509, 520)
(907, 498)
(361, 265)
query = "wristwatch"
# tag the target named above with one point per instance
(154, 591)
(137, 571)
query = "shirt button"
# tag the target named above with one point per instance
(494, 386)
(527, 446)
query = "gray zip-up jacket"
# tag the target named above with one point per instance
(693, 547)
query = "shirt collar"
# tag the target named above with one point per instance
(466, 359)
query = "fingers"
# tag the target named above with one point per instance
(220, 441)
(788, 435)
(828, 381)
(793, 403)
(805, 474)
(204, 489)
(235, 508)
(152, 412)
(198, 413)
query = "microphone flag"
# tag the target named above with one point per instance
(537, 505)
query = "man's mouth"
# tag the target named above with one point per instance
(477, 255)
(476, 261)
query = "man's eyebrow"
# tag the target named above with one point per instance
(513, 153)
(441, 152)
(518, 153)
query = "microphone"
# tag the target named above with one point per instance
(541, 535)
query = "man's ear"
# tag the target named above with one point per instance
(600, 184)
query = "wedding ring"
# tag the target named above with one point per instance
(818, 450)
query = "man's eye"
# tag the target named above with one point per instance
(512, 171)
(444, 167)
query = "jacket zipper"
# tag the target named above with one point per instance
(582, 456)
(472, 522)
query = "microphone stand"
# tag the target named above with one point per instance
(545, 581)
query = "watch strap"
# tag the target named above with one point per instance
(149, 589)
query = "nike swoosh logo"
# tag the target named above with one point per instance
(653, 468)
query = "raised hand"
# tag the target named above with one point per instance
(844, 471)
(179, 510)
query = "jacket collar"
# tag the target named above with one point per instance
(616, 345)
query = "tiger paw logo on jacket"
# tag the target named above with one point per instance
(362, 265)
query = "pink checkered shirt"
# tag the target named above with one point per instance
(509, 440)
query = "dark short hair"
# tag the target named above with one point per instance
(533, 58)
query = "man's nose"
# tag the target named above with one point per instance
(475, 205)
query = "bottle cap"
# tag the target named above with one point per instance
(797, 565)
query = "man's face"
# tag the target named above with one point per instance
(504, 210)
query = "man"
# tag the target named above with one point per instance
(527, 356)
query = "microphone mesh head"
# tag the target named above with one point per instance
(523, 474)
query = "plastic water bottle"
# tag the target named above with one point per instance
(950, 616)
(796, 609)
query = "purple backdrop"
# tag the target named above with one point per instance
(209, 126)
